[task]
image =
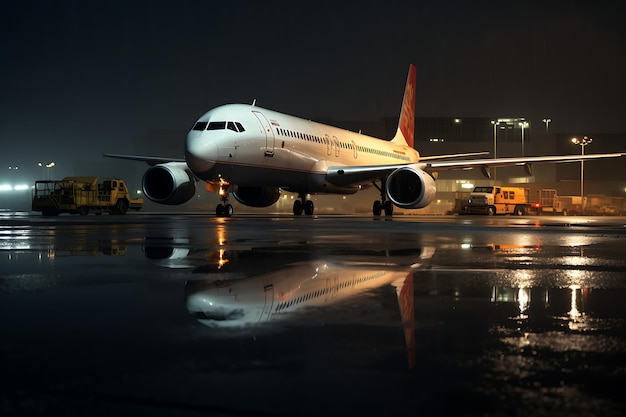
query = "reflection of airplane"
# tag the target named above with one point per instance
(253, 152)
(277, 295)
(79, 247)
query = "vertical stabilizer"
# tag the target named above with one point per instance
(406, 124)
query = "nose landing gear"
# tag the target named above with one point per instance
(224, 209)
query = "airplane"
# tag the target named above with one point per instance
(262, 300)
(253, 153)
(277, 294)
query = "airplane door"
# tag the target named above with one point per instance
(269, 133)
(268, 291)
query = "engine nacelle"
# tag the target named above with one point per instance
(168, 183)
(410, 187)
(257, 196)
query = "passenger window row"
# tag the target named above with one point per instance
(327, 290)
(303, 136)
(344, 145)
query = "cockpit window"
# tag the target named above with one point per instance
(217, 126)
(200, 126)
(234, 126)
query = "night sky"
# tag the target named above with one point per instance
(87, 77)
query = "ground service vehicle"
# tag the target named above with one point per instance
(498, 200)
(83, 195)
(546, 200)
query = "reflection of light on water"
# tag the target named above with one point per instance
(222, 261)
(523, 300)
(574, 313)
(576, 240)
(526, 240)
(578, 259)
(522, 278)
(576, 277)
(221, 235)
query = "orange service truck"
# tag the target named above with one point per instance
(83, 195)
(493, 200)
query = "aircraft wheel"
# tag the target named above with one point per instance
(219, 210)
(308, 207)
(388, 207)
(228, 210)
(297, 208)
(377, 208)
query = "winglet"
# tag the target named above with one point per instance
(406, 124)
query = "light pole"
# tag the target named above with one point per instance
(547, 122)
(586, 140)
(495, 133)
(49, 165)
(523, 125)
(495, 148)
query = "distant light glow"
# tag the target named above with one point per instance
(574, 312)
(5, 187)
(523, 299)
(20, 187)
(468, 185)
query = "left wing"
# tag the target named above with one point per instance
(350, 175)
(500, 162)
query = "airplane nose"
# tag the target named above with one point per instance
(200, 153)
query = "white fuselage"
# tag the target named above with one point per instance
(278, 150)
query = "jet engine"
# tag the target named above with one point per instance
(257, 196)
(410, 187)
(169, 183)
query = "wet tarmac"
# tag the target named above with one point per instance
(168, 314)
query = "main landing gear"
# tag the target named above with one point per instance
(303, 205)
(383, 203)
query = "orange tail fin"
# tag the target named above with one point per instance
(406, 124)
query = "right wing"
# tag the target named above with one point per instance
(150, 160)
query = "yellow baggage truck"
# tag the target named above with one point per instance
(492, 200)
(83, 195)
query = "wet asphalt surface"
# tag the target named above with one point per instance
(275, 315)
